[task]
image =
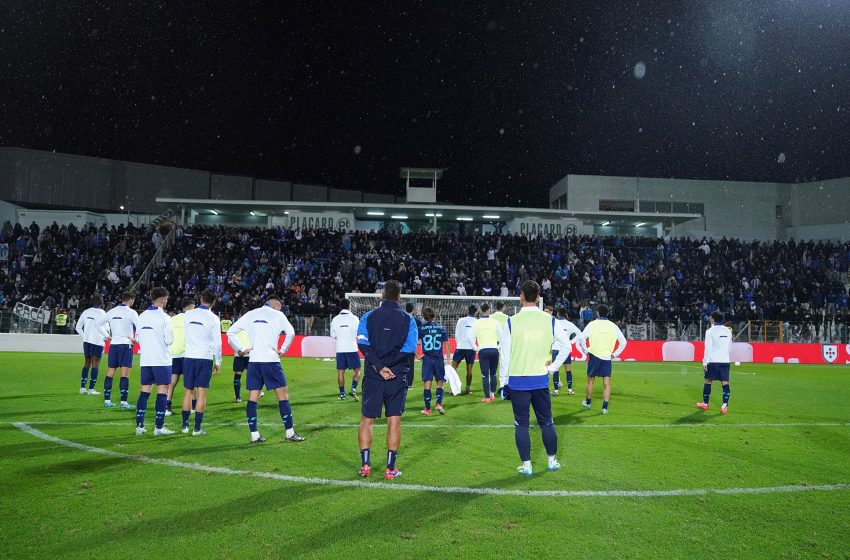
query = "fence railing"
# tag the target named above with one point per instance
(828, 330)
(313, 325)
(145, 276)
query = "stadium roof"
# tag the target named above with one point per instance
(444, 212)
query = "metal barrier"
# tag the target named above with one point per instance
(145, 276)
(827, 330)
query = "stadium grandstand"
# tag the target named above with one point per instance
(602, 242)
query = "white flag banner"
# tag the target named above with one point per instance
(30, 313)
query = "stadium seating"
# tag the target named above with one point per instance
(680, 280)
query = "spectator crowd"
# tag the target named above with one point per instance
(638, 278)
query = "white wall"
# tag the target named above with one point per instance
(10, 342)
(818, 210)
(821, 202)
(732, 208)
(832, 232)
(7, 213)
(46, 218)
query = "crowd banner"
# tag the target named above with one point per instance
(35, 314)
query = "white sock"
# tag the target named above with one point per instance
(552, 460)
(526, 465)
(290, 432)
(255, 435)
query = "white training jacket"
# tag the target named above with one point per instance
(203, 334)
(344, 331)
(155, 336)
(718, 345)
(263, 327)
(465, 333)
(119, 323)
(87, 326)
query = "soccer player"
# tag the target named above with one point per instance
(465, 345)
(263, 327)
(344, 331)
(715, 361)
(572, 334)
(92, 343)
(526, 346)
(436, 355)
(408, 308)
(155, 336)
(121, 323)
(499, 315)
(604, 337)
(387, 336)
(178, 348)
(488, 332)
(240, 363)
(202, 359)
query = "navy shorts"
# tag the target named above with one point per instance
(433, 368)
(383, 395)
(464, 355)
(717, 372)
(569, 359)
(347, 360)
(92, 350)
(269, 374)
(240, 363)
(197, 373)
(120, 355)
(156, 375)
(597, 367)
(176, 366)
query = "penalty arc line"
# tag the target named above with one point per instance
(424, 488)
(319, 425)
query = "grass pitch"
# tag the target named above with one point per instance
(666, 480)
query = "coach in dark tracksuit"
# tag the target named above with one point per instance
(387, 337)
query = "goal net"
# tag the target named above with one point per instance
(448, 309)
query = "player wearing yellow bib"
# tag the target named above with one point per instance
(526, 346)
(499, 315)
(487, 334)
(177, 349)
(604, 337)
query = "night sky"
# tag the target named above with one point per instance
(509, 96)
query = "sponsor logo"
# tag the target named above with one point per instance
(830, 353)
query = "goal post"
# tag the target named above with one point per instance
(447, 309)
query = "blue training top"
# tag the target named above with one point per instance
(433, 336)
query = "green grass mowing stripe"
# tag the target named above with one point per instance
(423, 488)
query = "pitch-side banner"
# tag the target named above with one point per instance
(636, 350)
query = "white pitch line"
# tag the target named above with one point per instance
(424, 488)
(469, 426)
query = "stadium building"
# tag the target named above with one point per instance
(45, 187)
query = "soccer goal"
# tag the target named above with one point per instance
(448, 309)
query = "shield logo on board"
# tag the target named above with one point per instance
(830, 352)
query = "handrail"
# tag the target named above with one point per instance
(167, 242)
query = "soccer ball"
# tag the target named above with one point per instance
(737, 363)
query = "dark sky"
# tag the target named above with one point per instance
(510, 96)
